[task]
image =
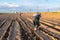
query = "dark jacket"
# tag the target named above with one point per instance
(36, 20)
(38, 16)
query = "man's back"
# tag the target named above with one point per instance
(37, 16)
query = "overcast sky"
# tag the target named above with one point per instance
(31, 4)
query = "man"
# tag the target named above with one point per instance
(36, 19)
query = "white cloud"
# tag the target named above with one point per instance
(9, 5)
(12, 5)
